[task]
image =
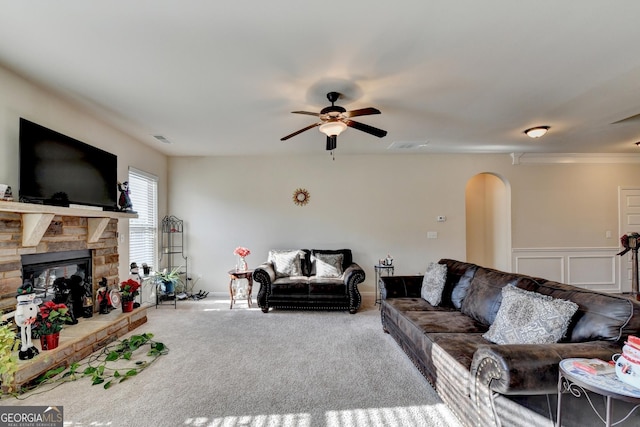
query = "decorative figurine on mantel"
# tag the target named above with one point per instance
(134, 274)
(5, 193)
(125, 201)
(103, 297)
(26, 314)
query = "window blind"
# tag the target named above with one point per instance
(143, 231)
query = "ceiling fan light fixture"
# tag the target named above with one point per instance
(333, 128)
(537, 131)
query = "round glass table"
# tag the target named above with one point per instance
(578, 381)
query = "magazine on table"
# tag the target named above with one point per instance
(595, 366)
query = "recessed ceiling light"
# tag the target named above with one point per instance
(537, 131)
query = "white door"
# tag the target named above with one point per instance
(629, 201)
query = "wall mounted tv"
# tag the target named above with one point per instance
(58, 170)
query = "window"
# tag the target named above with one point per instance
(143, 231)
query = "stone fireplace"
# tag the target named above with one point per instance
(43, 243)
(51, 236)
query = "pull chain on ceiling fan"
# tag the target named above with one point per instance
(335, 119)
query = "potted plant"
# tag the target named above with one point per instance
(169, 279)
(129, 290)
(51, 318)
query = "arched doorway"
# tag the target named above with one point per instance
(488, 221)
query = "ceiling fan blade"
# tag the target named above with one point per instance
(309, 113)
(300, 131)
(366, 128)
(361, 112)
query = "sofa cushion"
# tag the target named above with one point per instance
(286, 262)
(460, 290)
(528, 317)
(412, 304)
(444, 321)
(459, 273)
(292, 286)
(305, 262)
(459, 348)
(485, 294)
(433, 283)
(328, 265)
(328, 287)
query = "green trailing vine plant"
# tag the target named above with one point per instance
(114, 364)
(8, 361)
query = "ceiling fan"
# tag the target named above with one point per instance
(335, 119)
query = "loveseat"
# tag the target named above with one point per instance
(515, 384)
(309, 279)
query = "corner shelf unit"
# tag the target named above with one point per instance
(172, 250)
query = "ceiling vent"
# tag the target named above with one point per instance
(162, 139)
(407, 145)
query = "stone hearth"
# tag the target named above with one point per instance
(79, 341)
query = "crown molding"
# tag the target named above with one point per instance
(569, 158)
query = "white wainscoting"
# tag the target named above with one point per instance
(589, 268)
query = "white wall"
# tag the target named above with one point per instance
(380, 204)
(21, 98)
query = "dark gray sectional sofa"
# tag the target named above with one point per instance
(488, 384)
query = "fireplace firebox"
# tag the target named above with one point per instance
(62, 277)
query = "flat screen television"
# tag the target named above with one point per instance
(58, 170)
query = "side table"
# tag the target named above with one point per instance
(577, 382)
(389, 270)
(237, 291)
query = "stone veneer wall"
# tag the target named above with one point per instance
(65, 233)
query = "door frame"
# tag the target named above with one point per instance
(623, 261)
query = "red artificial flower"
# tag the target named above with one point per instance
(242, 252)
(129, 286)
(51, 318)
(129, 289)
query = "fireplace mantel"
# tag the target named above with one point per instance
(36, 219)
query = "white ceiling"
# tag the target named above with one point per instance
(222, 77)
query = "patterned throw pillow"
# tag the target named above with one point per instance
(530, 318)
(286, 263)
(433, 283)
(328, 265)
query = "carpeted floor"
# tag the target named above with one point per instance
(242, 367)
